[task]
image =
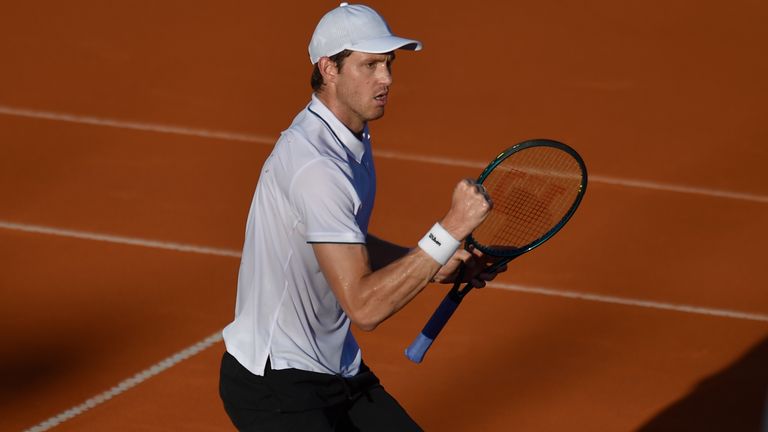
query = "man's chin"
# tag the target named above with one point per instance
(377, 114)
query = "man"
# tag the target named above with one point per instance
(310, 269)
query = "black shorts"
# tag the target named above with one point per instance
(302, 401)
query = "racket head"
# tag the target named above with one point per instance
(535, 186)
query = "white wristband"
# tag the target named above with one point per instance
(439, 244)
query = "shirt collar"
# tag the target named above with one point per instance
(341, 132)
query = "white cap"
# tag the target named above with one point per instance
(357, 28)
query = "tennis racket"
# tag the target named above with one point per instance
(535, 187)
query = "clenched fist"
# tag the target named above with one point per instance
(470, 206)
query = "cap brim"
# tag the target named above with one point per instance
(386, 44)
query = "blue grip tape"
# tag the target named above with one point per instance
(416, 351)
(418, 348)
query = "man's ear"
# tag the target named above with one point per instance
(327, 69)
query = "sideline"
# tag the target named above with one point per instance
(211, 340)
(128, 384)
(723, 313)
(383, 153)
(85, 235)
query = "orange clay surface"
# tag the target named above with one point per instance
(149, 122)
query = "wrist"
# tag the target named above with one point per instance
(454, 228)
(439, 243)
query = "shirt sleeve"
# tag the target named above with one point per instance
(326, 203)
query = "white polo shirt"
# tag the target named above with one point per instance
(317, 186)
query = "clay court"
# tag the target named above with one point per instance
(131, 139)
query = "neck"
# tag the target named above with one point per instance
(347, 118)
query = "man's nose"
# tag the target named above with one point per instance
(385, 75)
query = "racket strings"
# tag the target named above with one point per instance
(532, 191)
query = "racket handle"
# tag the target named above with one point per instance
(416, 351)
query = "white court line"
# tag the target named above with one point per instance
(216, 337)
(269, 140)
(639, 184)
(141, 126)
(129, 383)
(716, 193)
(723, 313)
(118, 239)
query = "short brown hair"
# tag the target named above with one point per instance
(317, 78)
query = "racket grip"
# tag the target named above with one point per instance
(416, 351)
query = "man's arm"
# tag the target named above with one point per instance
(382, 252)
(369, 297)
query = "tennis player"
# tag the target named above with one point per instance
(309, 268)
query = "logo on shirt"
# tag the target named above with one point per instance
(434, 239)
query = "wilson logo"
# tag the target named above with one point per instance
(434, 239)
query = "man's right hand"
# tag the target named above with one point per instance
(469, 208)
